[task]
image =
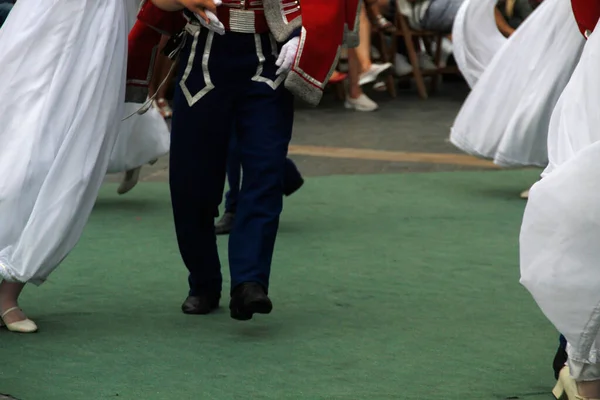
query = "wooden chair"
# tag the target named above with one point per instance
(410, 37)
(339, 85)
(386, 54)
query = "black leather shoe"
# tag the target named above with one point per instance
(248, 299)
(290, 189)
(223, 227)
(200, 305)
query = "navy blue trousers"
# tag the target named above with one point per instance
(228, 87)
(5, 9)
(291, 176)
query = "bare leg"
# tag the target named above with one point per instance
(167, 73)
(589, 389)
(374, 10)
(162, 72)
(356, 98)
(363, 51)
(578, 380)
(368, 71)
(9, 298)
(354, 70)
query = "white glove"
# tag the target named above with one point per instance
(215, 25)
(287, 55)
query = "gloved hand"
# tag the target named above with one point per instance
(287, 55)
(213, 24)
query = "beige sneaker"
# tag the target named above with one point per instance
(426, 63)
(361, 103)
(402, 66)
(373, 72)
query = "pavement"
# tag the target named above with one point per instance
(406, 134)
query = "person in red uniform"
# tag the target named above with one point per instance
(241, 81)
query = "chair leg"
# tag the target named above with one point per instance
(340, 91)
(390, 84)
(387, 56)
(414, 61)
(412, 55)
(437, 58)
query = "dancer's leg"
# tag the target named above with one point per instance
(9, 298)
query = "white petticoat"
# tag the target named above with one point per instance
(506, 116)
(560, 234)
(142, 138)
(63, 74)
(475, 38)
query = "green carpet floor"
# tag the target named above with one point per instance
(385, 287)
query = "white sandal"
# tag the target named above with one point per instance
(566, 388)
(23, 326)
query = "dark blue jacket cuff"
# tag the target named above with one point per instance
(295, 33)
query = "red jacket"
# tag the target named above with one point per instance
(326, 25)
(587, 14)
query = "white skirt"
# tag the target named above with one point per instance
(575, 122)
(560, 234)
(63, 86)
(142, 139)
(133, 8)
(506, 116)
(476, 38)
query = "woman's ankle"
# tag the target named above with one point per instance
(355, 93)
(589, 389)
(9, 294)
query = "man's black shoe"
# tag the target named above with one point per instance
(248, 299)
(200, 305)
(292, 188)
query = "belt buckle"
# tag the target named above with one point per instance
(240, 5)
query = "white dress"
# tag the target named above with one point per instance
(506, 116)
(63, 66)
(575, 122)
(133, 7)
(142, 138)
(476, 38)
(560, 234)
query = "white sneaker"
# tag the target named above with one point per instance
(375, 54)
(373, 72)
(402, 66)
(447, 50)
(425, 62)
(361, 103)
